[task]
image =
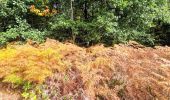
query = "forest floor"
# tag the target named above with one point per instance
(121, 72)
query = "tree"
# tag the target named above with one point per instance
(88, 22)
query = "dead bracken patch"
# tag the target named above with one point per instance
(130, 72)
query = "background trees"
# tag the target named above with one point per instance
(86, 22)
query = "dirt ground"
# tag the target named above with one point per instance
(6, 93)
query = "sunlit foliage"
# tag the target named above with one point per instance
(86, 22)
(28, 63)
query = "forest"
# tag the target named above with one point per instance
(86, 22)
(84, 49)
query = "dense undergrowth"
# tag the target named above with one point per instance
(26, 66)
(53, 71)
(85, 22)
(27, 63)
(43, 70)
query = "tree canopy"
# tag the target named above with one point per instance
(86, 22)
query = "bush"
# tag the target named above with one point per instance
(85, 22)
(28, 64)
(21, 32)
(112, 22)
(10, 12)
(13, 23)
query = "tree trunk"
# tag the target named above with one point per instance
(72, 11)
(85, 11)
(72, 18)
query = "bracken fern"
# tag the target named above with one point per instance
(28, 63)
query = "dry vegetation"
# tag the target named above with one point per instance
(130, 72)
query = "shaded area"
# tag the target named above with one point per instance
(162, 33)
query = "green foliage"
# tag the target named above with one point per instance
(13, 25)
(14, 79)
(86, 22)
(20, 33)
(34, 91)
(27, 87)
(10, 12)
(112, 21)
(27, 94)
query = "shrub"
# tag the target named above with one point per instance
(11, 12)
(109, 22)
(21, 32)
(27, 63)
(85, 22)
(14, 26)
